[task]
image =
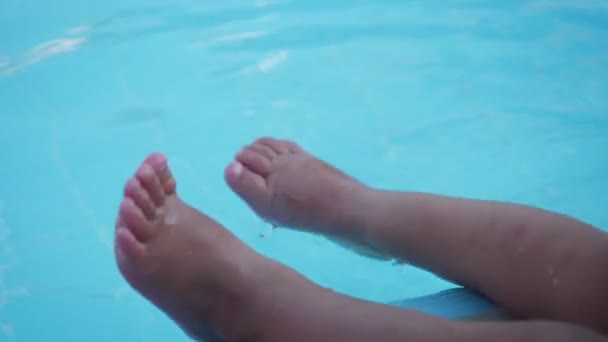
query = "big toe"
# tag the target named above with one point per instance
(158, 163)
(249, 185)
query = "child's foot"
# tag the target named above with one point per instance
(185, 263)
(288, 187)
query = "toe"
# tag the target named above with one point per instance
(291, 146)
(254, 161)
(263, 150)
(278, 146)
(166, 180)
(150, 183)
(132, 218)
(140, 197)
(126, 245)
(250, 186)
(159, 164)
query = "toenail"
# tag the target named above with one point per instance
(128, 202)
(145, 169)
(237, 168)
(134, 183)
(160, 163)
(160, 158)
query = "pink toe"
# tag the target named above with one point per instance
(140, 197)
(133, 219)
(233, 171)
(126, 244)
(292, 146)
(254, 161)
(166, 179)
(119, 222)
(151, 183)
(247, 184)
(156, 159)
(159, 165)
(263, 150)
(278, 146)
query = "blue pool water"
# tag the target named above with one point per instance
(489, 99)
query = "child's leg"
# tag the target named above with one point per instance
(320, 315)
(535, 263)
(214, 286)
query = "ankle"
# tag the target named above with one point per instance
(233, 312)
(251, 303)
(347, 207)
(359, 213)
(373, 211)
(275, 290)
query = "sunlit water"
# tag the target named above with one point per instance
(490, 99)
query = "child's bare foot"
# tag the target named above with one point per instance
(189, 266)
(288, 187)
